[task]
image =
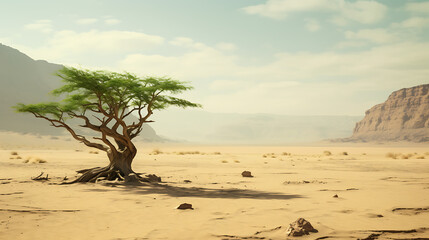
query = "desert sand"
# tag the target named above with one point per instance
(378, 195)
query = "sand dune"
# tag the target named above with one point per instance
(376, 195)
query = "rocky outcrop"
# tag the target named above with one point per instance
(403, 117)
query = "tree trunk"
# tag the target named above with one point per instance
(119, 168)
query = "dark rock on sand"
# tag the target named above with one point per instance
(300, 227)
(246, 174)
(185, 206)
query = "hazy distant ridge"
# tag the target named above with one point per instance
(28, 81)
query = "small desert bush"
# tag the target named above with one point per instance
(216, 153)
(327, 153)
(156, 151)
(392, 155)
(14, 153)
(93, 152)
(286, 154)
(420, 157)
(407, 156)
(236, 161)
(189, 153)
(264, 156)
(224, 161)
(344, 153)
(34, 160)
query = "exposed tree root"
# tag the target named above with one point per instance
(40, 178)
(110, 173)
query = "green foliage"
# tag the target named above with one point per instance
(111, 92)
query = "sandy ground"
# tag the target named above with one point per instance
(375, 193)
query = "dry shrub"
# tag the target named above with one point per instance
(363, 153)
(224, 161)
(236, 161)
(344, 153)
(286, 154)
(18, 157)
(407, 156)
(93, 152)
(327, 153)
(216, 153)
(264, 156)
(392, 155)
(13, 153)
(273, 156)
(156, 151)
(34, 160)
(420, 157)
(189, 153)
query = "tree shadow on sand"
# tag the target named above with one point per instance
(176, 191)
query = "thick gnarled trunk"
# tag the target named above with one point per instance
(119, 168)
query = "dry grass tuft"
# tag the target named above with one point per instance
(34, 160)
(327, 153)
(407, 156)
(236, 161)
(14, 153)
(392, 155)
(286, 154)
(156, 151)
(189, 153)
(93, 152)
(344, 153)
(224, 161)
(420, 157)
(216, 153)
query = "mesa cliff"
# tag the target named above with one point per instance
(403, 117)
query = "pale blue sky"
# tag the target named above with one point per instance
(312, 57)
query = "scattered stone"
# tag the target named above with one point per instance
(185, 206)
(246, 174)
(300, 227)
(335, 196)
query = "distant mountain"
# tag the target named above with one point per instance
(230, 128)
(404, 116)
(24, 80)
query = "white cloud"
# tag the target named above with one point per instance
(312, 25)
(287, 84)
(86, 21)
(413, 22)
(365, 12)
(350, 44)
(84, 47)
(378, 35)
(187, 43)
(418, 7)
(44, 26)
(224, 46)
(112, 21)
(199, 64)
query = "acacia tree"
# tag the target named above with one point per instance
(104, 102)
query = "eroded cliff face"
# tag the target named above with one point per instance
(403, 117)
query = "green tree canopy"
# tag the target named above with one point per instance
(103, 100)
